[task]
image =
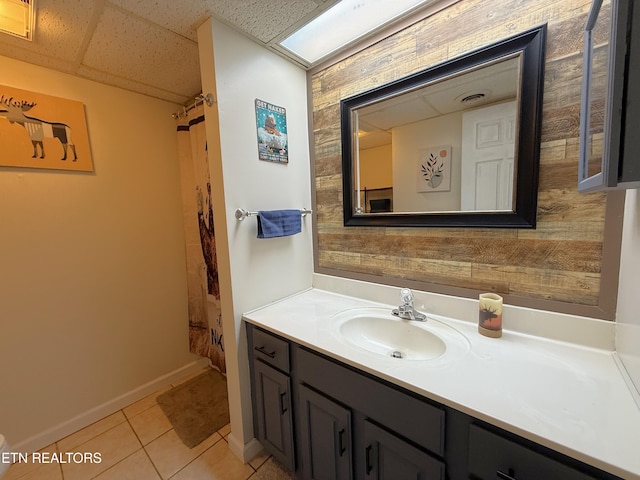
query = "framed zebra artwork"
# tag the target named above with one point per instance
(42, 131)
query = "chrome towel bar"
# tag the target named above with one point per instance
(241, 213)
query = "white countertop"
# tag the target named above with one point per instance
(570, 398)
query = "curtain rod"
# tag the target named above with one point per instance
(200, 98)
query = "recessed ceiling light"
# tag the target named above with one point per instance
(345, 22)
(16, 18)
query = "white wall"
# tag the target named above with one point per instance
(261, 270)
(92, 267)
(628, 313)
(407, 142)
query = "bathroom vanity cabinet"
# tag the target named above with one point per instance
(369, 424)
(326, 420)
(271, 391)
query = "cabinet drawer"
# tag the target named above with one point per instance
(493, 456)
(410, 417)
(270, 349)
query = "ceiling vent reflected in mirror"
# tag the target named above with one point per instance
(474, 97)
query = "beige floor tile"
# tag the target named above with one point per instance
(226, 430)
(35, 470)
(41, 472)
(113, 445)
(135, 467)
(143, 404)
(272, 470)
(169, 454)
(257, 461)
(150, 424)
(217, 463)
(81, 436)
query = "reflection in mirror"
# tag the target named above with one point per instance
(608, 114)
(598, 90)
(603, 75)
(446, 146)
(454, 145)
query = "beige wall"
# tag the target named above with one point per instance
(376, 167)
(92, 267)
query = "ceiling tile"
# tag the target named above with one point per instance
(263, 20)
(126, 46)
(180, 17)
(148, 46)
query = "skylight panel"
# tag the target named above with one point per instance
(344, 23)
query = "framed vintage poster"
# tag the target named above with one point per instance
(434, 169)
(271, 123)
(42, 131)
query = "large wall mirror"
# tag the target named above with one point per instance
(456, 144)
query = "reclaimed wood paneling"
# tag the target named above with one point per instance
(559, 264)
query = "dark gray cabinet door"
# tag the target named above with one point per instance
(492, 456)
(325, 428)
(388, 457)
(273, 412)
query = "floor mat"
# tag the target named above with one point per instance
(197, 408)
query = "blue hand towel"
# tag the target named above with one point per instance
(279, 223)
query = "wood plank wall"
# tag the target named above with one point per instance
(556, 266)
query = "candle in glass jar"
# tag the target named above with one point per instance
(490, 315)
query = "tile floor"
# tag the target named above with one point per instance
(139, 443)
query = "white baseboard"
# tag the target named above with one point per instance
(247, 452)
(58, 432)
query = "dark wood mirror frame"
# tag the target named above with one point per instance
(531, 44)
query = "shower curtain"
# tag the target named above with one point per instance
(205, 323)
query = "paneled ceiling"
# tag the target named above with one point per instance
(147, 46)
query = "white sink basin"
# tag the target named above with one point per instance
(392, 337)
(379, 332)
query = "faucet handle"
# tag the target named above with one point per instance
(406, 295)
(406, 310)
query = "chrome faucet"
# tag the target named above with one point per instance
(406, 310)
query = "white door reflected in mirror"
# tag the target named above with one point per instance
(488, 150)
